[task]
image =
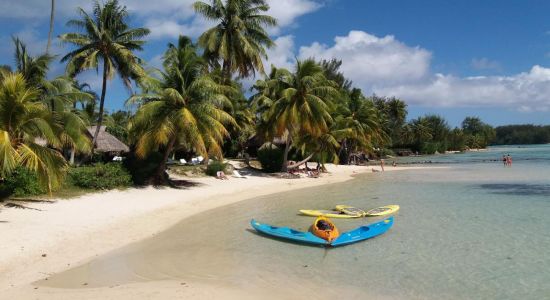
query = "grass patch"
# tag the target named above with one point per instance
(188, 170)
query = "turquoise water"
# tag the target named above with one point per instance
(476, 230)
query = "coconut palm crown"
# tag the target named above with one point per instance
(23, 121)
(185, 111)
(239, 39)
(106, 39)
(299, 102)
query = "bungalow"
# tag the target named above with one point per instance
(106, 143)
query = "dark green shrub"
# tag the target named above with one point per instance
(215, 166)
(142, 170)
(22, 183)
(271, 158)
(100, 176)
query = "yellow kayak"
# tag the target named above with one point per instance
(328, 213)
(375, 212)
(350, 210)
(382, 211)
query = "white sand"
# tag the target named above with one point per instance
(35, 244)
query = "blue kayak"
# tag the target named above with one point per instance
(364, 232)
(288, 233)
(359, 234)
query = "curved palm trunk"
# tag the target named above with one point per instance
(101, 104)
(160, 175)
(50, 33)
(285, 155)
(304, 161)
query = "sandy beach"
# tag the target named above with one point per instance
(52, 237)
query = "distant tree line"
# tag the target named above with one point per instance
(522, 134)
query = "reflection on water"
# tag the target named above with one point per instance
(518, 189)
(450, 240)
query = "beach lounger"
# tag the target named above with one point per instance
(237, 174)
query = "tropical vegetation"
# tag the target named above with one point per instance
(197, 105)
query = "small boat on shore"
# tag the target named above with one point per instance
(325, 229)
(361, 233)
(350, 210)
(382, 211)
(335, 214)
(375, 212)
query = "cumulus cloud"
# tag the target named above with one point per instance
(172, 28)
(484, 64)
(527, 91)
(369, 60)
(282, 55)
(287, 11)
(388, 67)
(165, 18)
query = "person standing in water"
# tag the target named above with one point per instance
(509, 160)
(382, 164)
(504, 160)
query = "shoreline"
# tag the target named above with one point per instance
(37, 243)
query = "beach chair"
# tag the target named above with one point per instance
(237, 174)
(183, 162)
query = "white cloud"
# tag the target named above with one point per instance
(388, 67)
(527, 91)
(484, 64)
(282, 55)
(166, 18)
(370, 60)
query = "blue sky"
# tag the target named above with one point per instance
(454, 58)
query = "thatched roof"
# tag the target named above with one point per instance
(107, 142)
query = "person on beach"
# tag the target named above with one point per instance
(382, 165)
(509, 160)
(394, 164)
(221, 175)
(504, 160)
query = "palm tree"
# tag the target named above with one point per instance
(59, 95)
(33, 69)
(50, 32)
(106, 38)
(23, 120)
(186, 110)
(301, 104)
(360, 117)
(69, 124)
(397, 113)
(239, 39)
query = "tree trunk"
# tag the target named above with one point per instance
(50, 33)
(285, 154)
(226, 72)
(101, 104)
(160, 175)
(72, 156)
(305, 160)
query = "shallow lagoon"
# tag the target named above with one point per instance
(470, 230)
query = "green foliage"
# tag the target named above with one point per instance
(239, 38)
(477, 133)
(142, 170)
(100, 176)
(22, 183)
(522, 134)
(215, 166)
(271, 158)
(186, 110)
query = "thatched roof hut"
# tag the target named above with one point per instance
(106, 142)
